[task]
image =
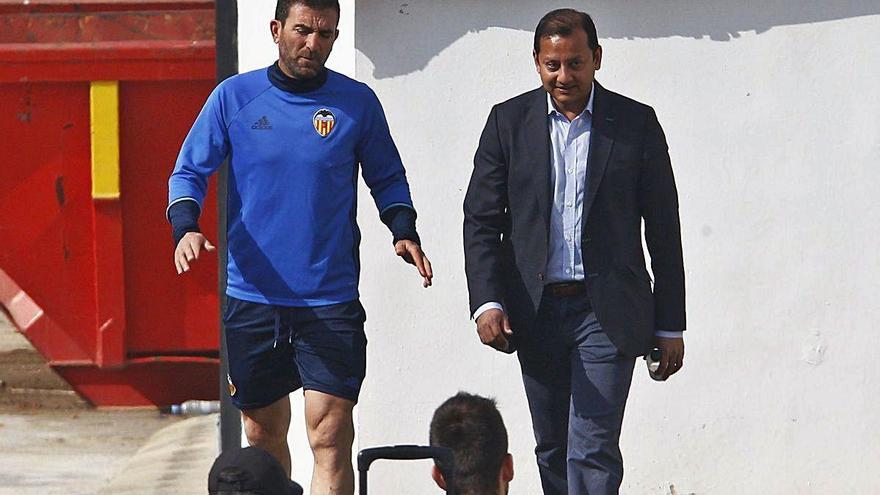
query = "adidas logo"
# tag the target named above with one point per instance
(262, 124)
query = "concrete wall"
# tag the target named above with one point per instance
(772, 119)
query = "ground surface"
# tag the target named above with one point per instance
(52, 442)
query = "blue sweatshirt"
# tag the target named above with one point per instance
(292, 236)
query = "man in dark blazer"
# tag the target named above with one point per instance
(563, 178)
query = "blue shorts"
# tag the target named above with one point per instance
(275, 350)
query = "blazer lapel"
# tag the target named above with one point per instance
(601, 143)
(538, 150)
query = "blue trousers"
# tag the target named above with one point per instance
(577, 383)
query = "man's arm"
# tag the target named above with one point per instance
(203, 150)
(658, 200)
(385, 175)
(485, 219)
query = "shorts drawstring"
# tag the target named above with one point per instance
(277, 326)
(278, 329)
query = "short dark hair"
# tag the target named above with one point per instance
(282, 8)
(472, 427)
(562, 22)
(247, 471)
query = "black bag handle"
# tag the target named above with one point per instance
(442, 455)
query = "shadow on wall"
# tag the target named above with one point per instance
(402, 36)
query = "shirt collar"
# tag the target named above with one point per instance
(286, 83)
(551, 105)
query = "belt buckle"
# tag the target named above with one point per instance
(565, 289)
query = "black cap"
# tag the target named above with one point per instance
(251, 470)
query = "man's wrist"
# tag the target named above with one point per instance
(401, 221)
(180, 234)
(665, 334)
(184, 218)
(486, 307)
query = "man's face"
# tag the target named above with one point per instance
(305, 40)
(567, 67)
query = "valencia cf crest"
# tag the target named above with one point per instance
(324, 121)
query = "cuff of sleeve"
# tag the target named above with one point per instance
(184, 218)
(181, 200)
(486, 307)
(669, 335)
(401, 220)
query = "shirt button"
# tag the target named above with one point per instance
(569, 204)
(567, 270)
(570, 170)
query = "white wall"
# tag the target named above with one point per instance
(772, 119)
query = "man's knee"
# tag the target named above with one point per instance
(259, 435)
(331, 430)
(264, 433)
(330, 427)
(267, 426)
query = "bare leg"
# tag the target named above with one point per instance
(267, 428)
(331, 434)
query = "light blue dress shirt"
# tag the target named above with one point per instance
(570, 147)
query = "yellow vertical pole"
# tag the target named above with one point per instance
(109, 263)
(104, 106)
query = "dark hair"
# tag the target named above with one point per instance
(472, 427)
(247, 471)
(282, 8)
(562, 22)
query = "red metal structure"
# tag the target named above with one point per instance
(96, 97)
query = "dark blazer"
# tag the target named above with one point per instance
(629, 178)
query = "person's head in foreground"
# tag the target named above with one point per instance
(248, 471)
(472, 427)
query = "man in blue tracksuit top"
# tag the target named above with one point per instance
(294, 134)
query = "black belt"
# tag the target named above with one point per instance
(566, 289)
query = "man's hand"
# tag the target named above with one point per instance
(494, 329)
(188, 250)
(412, 254)
(672, 356)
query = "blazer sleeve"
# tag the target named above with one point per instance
(486, 217)
(658, 204)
